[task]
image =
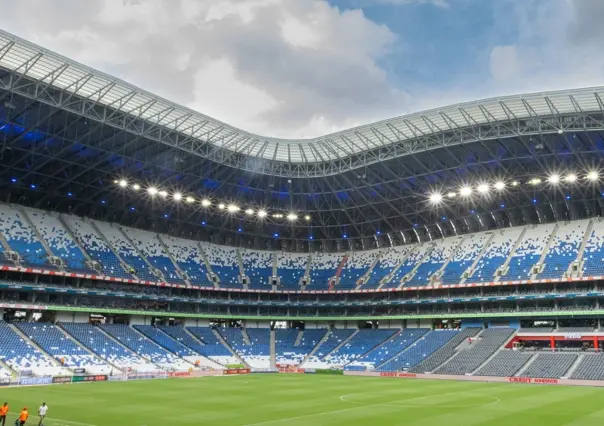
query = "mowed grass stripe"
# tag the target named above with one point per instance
(296, 400)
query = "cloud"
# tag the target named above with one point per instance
(287, 68)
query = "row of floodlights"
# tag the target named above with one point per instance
(206, 202)
(485, 188)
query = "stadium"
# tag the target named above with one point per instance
(431, 267)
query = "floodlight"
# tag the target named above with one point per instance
(535, 181)
(190, 200)
(249, 212)
(307, 218)
(483, 188)
(261, 213)
(554, 179)
(152, 190)
(177, 196)
(515, 183)
(221, 206)
(436, 197)
(232, 208)
(571, 178)
(163, 193)
(499, 185)
(136, 187)
(277, 215)
(123, 183)
(593, 176)
(452, 194)
(206, 203)
(292, 217)
(465, 191)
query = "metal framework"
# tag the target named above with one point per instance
(71, 130)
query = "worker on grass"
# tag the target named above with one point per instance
(3, 413)
(22, 417)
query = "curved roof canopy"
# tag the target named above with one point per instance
(532, 113)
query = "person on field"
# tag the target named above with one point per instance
(42, 413)
(22, 417)
(3, 413)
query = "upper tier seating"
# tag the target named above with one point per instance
(126, 251)
(465, 255)
(98, 342)
(223, 261)
(258, 267)
(290, 269)
(333, 340)
(19, 354)
(54, 342)
(564, 249)
(212, 347)
(469, 359)
(528, 252)
(388, 349)
(505, 364)
(389, 260)
(96, 247)
(58, 239)
(21, 237)
(165, 341)
(153, 250)
(324, 267)
(433, 360)
(362, 342)
(593, 257)
(144, 346)
(189, 259)
(495, 254)
(435, 260)
(411, 261)
(419, 350)
(356, 266)
(550, 366)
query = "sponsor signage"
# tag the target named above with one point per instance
(232, 371)
(395, 374)
(28, 381)
(81, 379)
(573, 336)
(79, 370)
(179, 374)
(61, 379)
(531, 380)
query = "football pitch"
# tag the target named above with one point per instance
(296, 400)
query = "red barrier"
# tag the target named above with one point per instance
(237, 371)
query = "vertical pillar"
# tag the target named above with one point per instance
(552, 341)
(596, 343)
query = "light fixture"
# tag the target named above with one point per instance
(249, 212)
(221, 206)
(206, 203)
(163, 193)
(177, 196)
(123, 183)
(136, 187)
(232, 208)
(190, 200)
(261, 213)
(592, 176)
(436, 198)
(291, 217)
(465, 191)
(152, 190)
(307, 218)
(483, 188)
(452, 194)
(515, 183)
(277, 215)
(499, 185)
(570, 178)
(535, 181)
(553, 179)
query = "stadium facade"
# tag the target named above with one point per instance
(386, 247)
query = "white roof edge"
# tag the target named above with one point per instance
(16, 54)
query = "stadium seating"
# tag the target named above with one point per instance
(591, 367)
(256, 353)
(389, 260)
(258, 267)
(407, 266)
(189, 259)
(333, 340)
(388, 349)
(22, 238)
(55, 343)
(464, 257)
(212, 347)
(505, 364)
(290, 269)
(362, 342)
(21, 356)
(495, 255)
(93, 338)
(58, 238)
(288, 353)
(150, 246)
(126, 251)
(436, 259)
(223, 261)
(143, 346)
(550, 365)
(419, 350)
(165, 341)
(564, 249)
(528, 252)
(435, 356)
(469, 359)
(324, 267)
(593, 257)
(96, 247)
(357, 265)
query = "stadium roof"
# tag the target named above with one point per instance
(466, 122)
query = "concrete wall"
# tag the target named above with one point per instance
(194, 322)
(136, 320)
(72, 317)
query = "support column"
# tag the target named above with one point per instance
(552, 342)
(596, 343)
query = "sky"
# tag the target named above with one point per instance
(305, 68)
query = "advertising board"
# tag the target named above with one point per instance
(29, 381)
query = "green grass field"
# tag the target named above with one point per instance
(296, 400)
